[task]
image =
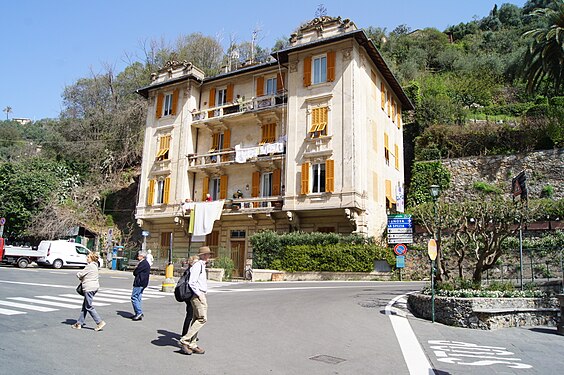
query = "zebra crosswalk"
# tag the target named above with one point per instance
(49, 303)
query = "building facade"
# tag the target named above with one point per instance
(309, 141)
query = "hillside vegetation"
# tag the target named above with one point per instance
(491, 85)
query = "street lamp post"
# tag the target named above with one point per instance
(433, 246)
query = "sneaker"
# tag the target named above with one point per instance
(185, 349)
(137, 317)
(198, 350)
(99, 326)
(76, 326)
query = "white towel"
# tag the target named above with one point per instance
(206, 214)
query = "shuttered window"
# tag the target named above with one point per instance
(166, 190)
(268, 133)
(159, 106)
(389, 103)
(396, 153)
(307, 71)
(211, 101)
(276, 175)
(223, 187)
(151, 192)
(215, 142)
(398, 120)
(164, 147)
(383, 96)
(174, 102)
(390, 199)
(330, 175)
(256, 184)
(318, 122)
(305, 179)
(331, 66)
(260, 86)
(386, 149)
(229, 95)
(393, 110)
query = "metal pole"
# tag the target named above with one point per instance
(521, 252)
(433, 291)
(561, 270)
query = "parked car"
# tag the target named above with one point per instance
(61, 253)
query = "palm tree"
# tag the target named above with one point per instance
(544, 61)
(8, 110)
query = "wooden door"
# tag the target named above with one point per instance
(238, 257)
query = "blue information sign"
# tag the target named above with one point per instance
(400, 262)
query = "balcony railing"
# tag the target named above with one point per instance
(246, 205)
(237, 155)
(260, 103)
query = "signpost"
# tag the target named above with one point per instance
(400, 229)
(432, 251)
(145, 234)
(2, 222)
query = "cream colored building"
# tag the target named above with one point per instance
(310, 141)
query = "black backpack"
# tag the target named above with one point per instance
(182, 291)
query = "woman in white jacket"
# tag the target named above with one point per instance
(90, 285)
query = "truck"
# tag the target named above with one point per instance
(20, 256)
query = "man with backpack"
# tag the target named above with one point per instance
(189, 310)
(199, 285)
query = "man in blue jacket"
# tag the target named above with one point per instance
(141, 273)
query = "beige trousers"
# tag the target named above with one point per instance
(199, 318)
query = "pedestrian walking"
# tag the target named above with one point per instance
(90, 284)
(199, 285)
(189, 311)
(141, 273)
(150, 258)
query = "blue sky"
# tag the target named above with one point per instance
(48, 45)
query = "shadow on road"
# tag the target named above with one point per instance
(552, 331)
(125, 314)
(166, 338)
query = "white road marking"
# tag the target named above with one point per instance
(28, 307)
(462, 353)
(48, 303)
(97, 297)
(11, 312)
(415, 359)
(36, 284)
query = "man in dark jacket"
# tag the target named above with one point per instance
(141, 273)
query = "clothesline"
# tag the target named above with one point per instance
(203, 215)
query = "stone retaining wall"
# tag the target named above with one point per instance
(486, 313)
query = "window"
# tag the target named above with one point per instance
(238, 234)
(164, 146)
(158, 191)
(221, 97)
(268, 133)
(81, 250)
(318, 177)
(396, 150)
(167, 108)
(386, 149)
(215, 184)
(266, 186)
(318, 122)
(271, 86)
(319, 69)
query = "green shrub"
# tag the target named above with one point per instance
(486, 188)
(547, 191)
(227, 264)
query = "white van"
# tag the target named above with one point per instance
(62, 253)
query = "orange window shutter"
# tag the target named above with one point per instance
(280, 77)
(215, 142)
(227, 138)
(389, 103)
(276, 182)
(314, 120)
(223, 187)
(331, 66)
(151, 192)
(330, 175)
(272, 132)
(256, 182)
(166, 192)
(264, 129)
(260, 86)
(211, 101)
(159, 108)
(393, 110)
(383, 95)
(167, 141)
(307, 71)
(230, 89)
(174, 102)
(399, 116)
(305, 178)
(396, 151)
(205, 187)
(386, 141)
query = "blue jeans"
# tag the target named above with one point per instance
(136, 296)
(88, 308)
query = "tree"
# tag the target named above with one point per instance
(544, 61)
(8, 110)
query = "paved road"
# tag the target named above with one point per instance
(254, 328)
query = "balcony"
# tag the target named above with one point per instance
(244, 106)
(261, 154)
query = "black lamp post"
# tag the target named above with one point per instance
(433, 248)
